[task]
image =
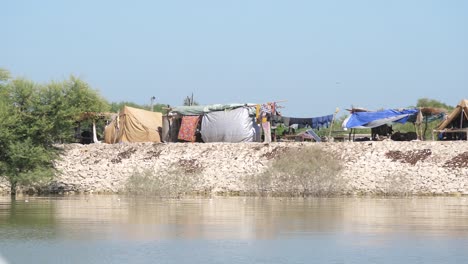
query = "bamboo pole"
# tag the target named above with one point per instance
(332, 122)
(462, 114)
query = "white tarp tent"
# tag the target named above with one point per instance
(233, 126)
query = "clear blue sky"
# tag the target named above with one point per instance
(318, 55)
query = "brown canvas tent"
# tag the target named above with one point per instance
(457, 121)
(134, 125)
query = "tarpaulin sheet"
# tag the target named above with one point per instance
(134, 125)
(229, 126)
(378, 118)
(313, 135)
(203, 109)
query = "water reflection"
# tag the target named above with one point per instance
(27, 220)
(119, 229)
(148, 218)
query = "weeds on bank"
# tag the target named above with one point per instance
(172, 183)
(299, 172)
(395, 185)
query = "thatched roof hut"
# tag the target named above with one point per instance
(456, 121)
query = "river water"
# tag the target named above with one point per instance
(123, 229)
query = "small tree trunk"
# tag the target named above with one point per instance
(13, 188)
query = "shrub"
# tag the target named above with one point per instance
(172, 183)
(309, 171)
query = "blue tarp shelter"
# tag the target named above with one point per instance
(378, 118)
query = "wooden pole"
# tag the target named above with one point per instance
(152, 103)
(462, 114)
(420, 131)
(332, 122)
(425, 129)
(95, 139)
(461, 122)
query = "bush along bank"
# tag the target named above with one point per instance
(306, 171)
(287, 169)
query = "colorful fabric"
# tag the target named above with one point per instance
(266, 108)
(188, 128)
(267, 131)
(273, 108)
(257, 113)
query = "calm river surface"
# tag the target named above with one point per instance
(122, 229)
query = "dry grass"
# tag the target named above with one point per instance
(172, 183)
(307, 171)
(395, 184)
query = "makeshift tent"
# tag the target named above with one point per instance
(308, 135)
(85, 136)
(457, 121)
(219, 123)
(234, 126)
(134, 125)
(169, 130)
(377, 118)
(426, 115)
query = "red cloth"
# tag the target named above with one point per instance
(188, 128)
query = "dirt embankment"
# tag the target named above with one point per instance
(369, 167)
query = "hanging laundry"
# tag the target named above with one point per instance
(266, 108)
(257, 113)
(267, 132)
(265, 117)
(301, 122)
(312, 122)
(188, 128)
(276, 119)
(273, 108)
(322, 121)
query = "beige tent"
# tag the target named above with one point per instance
(457, 121)
(134, 125)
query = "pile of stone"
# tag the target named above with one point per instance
(383, 167)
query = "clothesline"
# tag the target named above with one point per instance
(313, 122)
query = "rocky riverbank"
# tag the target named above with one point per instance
(420, 168)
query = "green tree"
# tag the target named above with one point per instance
(430, 126)
(116, 106)
(65, 102)
(82, 98)
(35, 117)
(426, 102)
(27, 163)
(25, 157)
(4, 76)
